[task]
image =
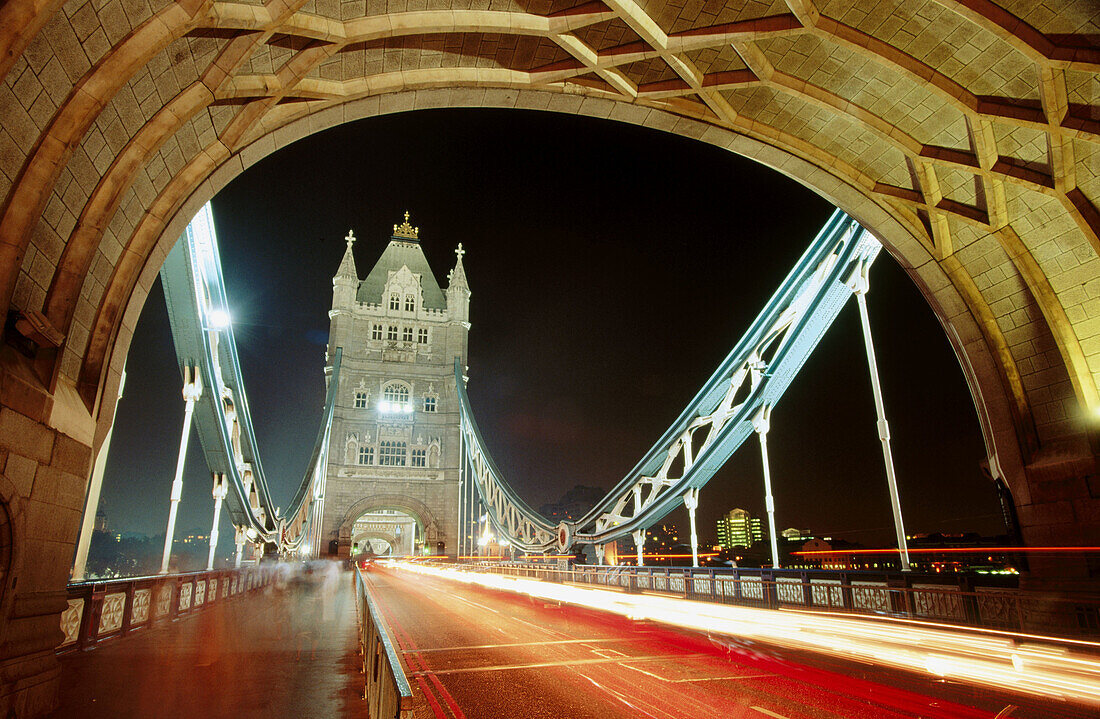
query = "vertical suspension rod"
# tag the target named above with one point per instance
(860, 284)
(192, 390)
(762, 423)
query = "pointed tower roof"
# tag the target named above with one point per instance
(347, 265)
(457, 276)
(404, 250)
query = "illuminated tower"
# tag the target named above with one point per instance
(394, 447)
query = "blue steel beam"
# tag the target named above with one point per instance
(198, 312)
(718, 420)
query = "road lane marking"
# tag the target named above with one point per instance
(770, 713)
(564, 663)
(583, 642)
(699, 679)
(622, 698)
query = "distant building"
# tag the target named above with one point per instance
(796, 535)
(101, 521)
(739, 529)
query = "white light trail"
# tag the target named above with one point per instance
(1002, 661)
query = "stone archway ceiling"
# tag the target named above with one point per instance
(975, 123)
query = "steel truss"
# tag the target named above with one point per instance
(735, 402)
(194, 291)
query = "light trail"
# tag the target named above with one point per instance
(950, 550)
(1015, 663)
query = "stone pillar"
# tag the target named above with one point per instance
(45, 460)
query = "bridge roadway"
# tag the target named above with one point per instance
(472, 653)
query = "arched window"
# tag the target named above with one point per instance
(395, 301)
(410, 303)
(396, 392)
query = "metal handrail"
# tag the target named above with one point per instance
(385, 687)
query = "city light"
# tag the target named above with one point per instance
(1045, 667)
(387, 407)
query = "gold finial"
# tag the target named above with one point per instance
(406, 230)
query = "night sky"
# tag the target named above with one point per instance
(612, 268)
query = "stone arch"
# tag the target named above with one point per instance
(987, 362)
(409, 505)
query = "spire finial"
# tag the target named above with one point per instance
(460, 252)
(405, 230)
(350, 239)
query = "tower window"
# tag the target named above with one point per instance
(429, 404)
(391, 333)
(360, 400)
(391, 454)
(395, 301)
(422, 336)
(376, 332)
(420, 458)
(407, 334)
(366, 455)
(410, 303)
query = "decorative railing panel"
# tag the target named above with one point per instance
(100, 610)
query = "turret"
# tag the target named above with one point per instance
(458, 291)
(346, 282)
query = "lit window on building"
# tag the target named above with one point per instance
(420, 458)
(366, 455)
(429, 404)
(360, 400)
(406, 334)
(376, 332)
(410, 303)
(395, 301)
(391, 454)
(422, 336)
(391, 333)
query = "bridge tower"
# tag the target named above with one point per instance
(394, 444)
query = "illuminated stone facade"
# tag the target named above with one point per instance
(394, 440)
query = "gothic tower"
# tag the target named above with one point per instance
(394, 447)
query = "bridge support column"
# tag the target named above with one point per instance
(192, 390)
(239, 540)
(639, 542)
(691, 501)
(762, 423)
(600, 553)
(220, 487)
(860, 284)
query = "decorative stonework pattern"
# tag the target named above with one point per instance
(185, 596)
(826, 593)
(871, 596)
(937, 600)
(110, 615)
(789, 590)
(70, 621)
(164, 601)
(139, 612)
(200, 592)
(752, 589)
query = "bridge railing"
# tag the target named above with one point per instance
(100, 610)
(993, 603)
(385, 688)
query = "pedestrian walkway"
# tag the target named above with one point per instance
(286, 653)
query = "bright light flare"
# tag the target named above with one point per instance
(1016, 663)
(219, 319)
